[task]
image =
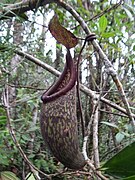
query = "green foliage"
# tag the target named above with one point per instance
(102, 24)
(30, 176)
(7, 175)
(129, 178)
(48, 166)
(5, 156)
(123, 163)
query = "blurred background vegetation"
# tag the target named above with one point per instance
(114, 27)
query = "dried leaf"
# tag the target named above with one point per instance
(61, 34)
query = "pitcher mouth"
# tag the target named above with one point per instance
(65, 82)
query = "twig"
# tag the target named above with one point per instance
(79, 172)
(27, 87)
(94, 120)
(117, 114)
(95, 132)
(12, 133)
(11, 10)
(124, 99)
(78, 89)
(95, 171)
(106, 11)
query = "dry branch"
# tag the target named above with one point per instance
(19, 8)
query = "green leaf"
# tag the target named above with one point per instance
(129, 128)
(108, 34)
(119, 137)
(129, 178)
(24, 17)
(32, 129)
(80, 3)
(8, 175)
(123, 163)
(3, 119)
(26, 137)
(134, 47)
(4, 159)
(129, 14)
(102, 24)
(30, 176)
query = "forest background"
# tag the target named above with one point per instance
(30, 61)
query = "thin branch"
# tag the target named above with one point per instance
(95, 171)
(106, 11)
(95, 118)
(109, 112)
(38, 62)
(12, 10)
(78, 90)
(77, 172)
(26, 87)
(83, 88)
(104, 100)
